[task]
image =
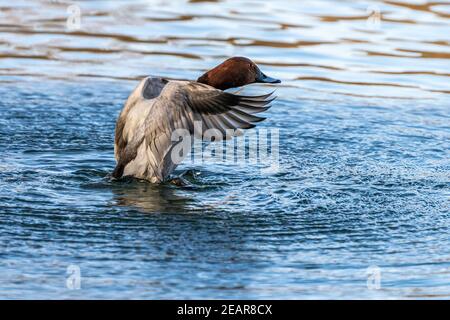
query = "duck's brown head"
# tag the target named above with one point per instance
(235, 72)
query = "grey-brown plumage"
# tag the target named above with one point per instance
(145, 146)
(157, 107)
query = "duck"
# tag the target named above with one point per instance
(144, 144)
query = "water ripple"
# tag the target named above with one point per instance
(364, 174)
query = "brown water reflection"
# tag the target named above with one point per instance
(314, 45)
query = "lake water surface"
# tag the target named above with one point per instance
(363, 186)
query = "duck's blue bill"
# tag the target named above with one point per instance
(266, 79)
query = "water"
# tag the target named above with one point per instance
(364, 179)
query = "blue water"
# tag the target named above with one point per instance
(363, 182)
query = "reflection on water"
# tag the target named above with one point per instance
(364, 148)
(401, 46)
(150, 198)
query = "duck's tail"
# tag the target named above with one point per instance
(118, 171)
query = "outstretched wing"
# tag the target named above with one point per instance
(180, 104)
(223, 110)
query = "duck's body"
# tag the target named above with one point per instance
(158, 107)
